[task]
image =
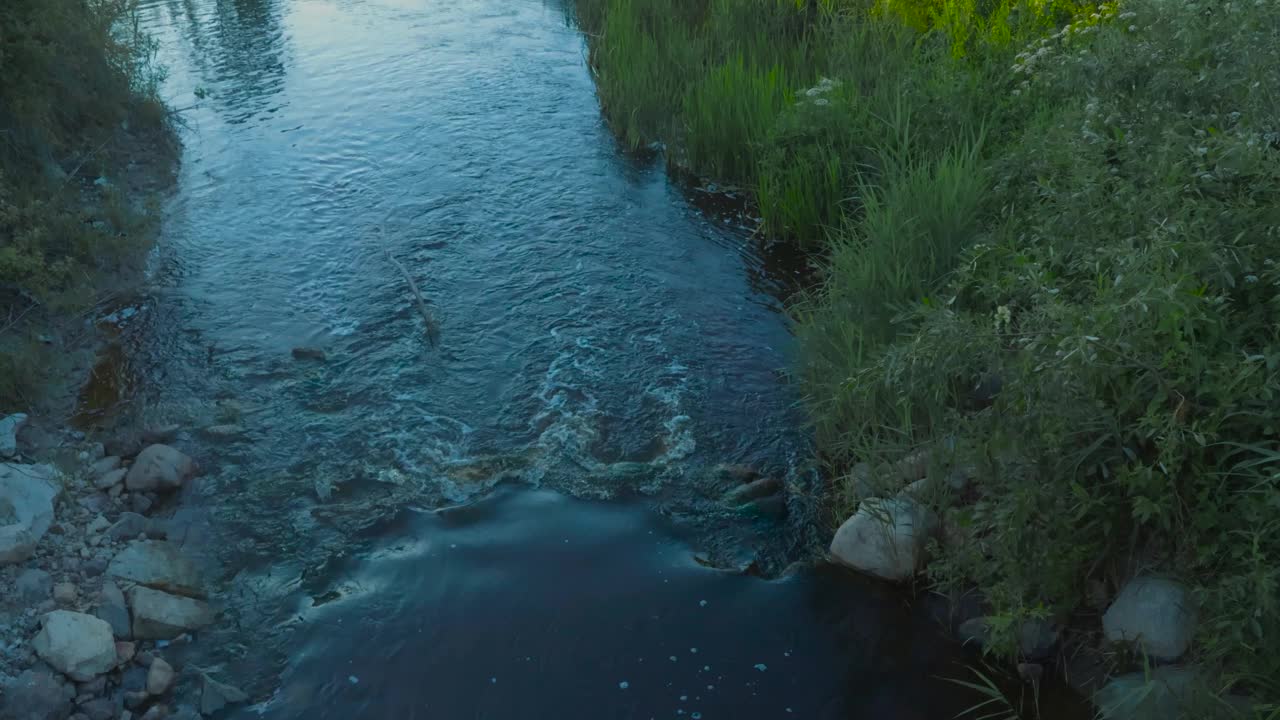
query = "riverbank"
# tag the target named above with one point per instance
(87, 147)
(1045, 240)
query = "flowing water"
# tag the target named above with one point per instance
(525, 518)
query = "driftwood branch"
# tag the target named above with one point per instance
(433, 328)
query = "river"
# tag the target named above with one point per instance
(523, 519)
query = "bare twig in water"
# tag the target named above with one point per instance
(433, 328)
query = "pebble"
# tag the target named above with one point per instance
(65, 593)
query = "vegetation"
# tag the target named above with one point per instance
(1048, 233)
(73, 75)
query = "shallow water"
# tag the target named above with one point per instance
(512, 522)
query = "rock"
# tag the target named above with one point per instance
(224, 432)
(159, 467)
(93, 567)
(125, 444)
(140, 503)
(9, 428)
(109, 480)
(78, 645)
(135, 699)
(96, 503)
(862, 482)
(113, 611)
(33, 585)
(160, 616)
(753, 490)
(214, 695)
(130, 525)
(1157, 615)
(1031, 673)
(97, 525)
(1037, 638)
(308, 353)
(104, 466)
(157, 564)
(885, 538)
(94, 687)
(27, 493)
(159, 677)
(1158, 695)
(125, 651)
(65, 593)
(101, 709)
(159, 434)
(736, 473)
(156, 712)
(974, 631)
(35, 695)
(772, 507)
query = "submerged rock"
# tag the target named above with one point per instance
(1155, 614)
(27, 493)
(885, 538)
(753, 490)
(308, 353)
(9, 428)
(78, 645)
(159, 467)
(215, 696)
(160, 616)
(158, 564)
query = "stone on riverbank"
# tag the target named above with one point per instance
(159, 677)
(1157, 615)
(35, 695)
(110, 479)
(33, 586)
(9, 428)
(27, 493)
(885, 538)
(78, 645)
(159, 467)
(160, 616)
(1142, 696)
(157, 564)
(104, 466)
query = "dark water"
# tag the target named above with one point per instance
(604, 345)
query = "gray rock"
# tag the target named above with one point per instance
(1158, 695)
(102, 709)
(113, 611)
(885, 538)
(104, 466)
(974, 631)
(94, 687)
(1037, 638)
(156, 712)
(78, 645)
(65, 593)
(159, 467)
(753, 490)
(1155, 614)
(130, 525)
(9, 428)
(111, 479)
(97, 525)
(160, 616)
(33, 585)
(125, 444)
(159, 677)
(27, 493)
(35, 695)
(215, 696)
(157, 564)
(140, 503)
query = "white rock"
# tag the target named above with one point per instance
(159, 467)
(27, 493)
(160, 616)
(1157, 615)
(885, 538)
(104, 466)
(9, 428)
(79, 645)
(159, 677)
(157, 564)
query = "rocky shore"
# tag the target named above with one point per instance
(99, 585)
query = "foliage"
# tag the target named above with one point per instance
(1050, 232)
(72, 73)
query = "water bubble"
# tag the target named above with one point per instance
(353, 679)
(624, 685)
(761, 667)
